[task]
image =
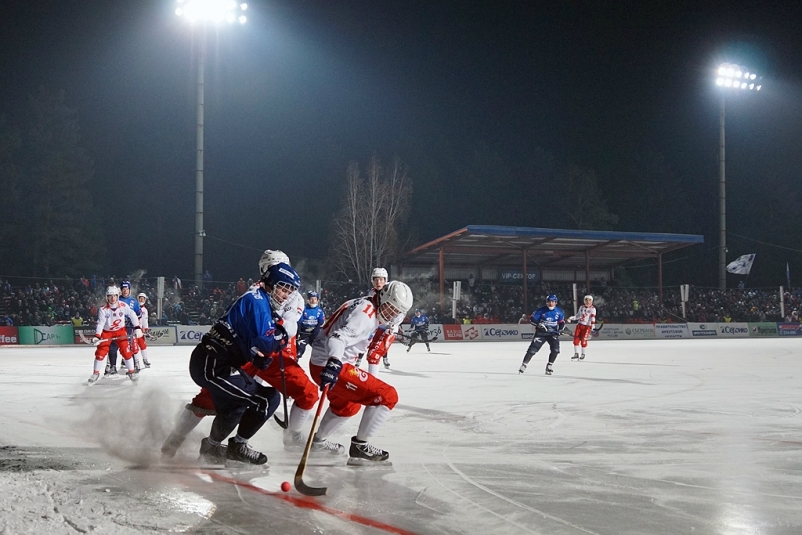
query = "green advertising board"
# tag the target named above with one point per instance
(46, 336)
(763, 329)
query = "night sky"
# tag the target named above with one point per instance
(304, 87)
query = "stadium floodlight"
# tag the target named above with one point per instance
(205, 12)
(211, 10)
(731, 78)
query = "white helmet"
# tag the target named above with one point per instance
(394, 299)
(589, 297)
(271, 258)
(142, 295)
(113, 290)
(379, 272)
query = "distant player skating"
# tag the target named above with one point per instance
(420, 330)
(310, 322)
(585, 319)
(345, 336)
(111, 320)
(140, 346)
(133, 304)
(549, 323)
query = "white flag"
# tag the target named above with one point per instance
(741, 265)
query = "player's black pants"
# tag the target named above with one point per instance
(238, 399)
(537, 342)
(421, 335)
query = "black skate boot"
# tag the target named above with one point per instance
(145, 362)
(133, 375)
(575, 357)
(110, 370)
(241, 452)
(365, 454)
(212, 453)
(386, 362)
(522, 368)
(549, 369)
(93, 378)
(582, 356)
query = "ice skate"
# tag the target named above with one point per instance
(575, 357)
(293, 440)
(242, 453)
(409, 346)
(582, 356)
(200, 411)
(212, 453)
(386, 362)
(93, 378)
(146, 362)
(549, 369)
(429, 349)
(362, 453)
(110, 370)
(171, 445)
(133, 375)
(358, 360)
(522, 368)
(326, 446)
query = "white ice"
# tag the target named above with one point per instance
(642, 437)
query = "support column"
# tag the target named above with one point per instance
(660, 277)
(442, 279)
(526, 285)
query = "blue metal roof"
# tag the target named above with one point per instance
(497, 230)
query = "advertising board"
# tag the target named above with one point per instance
(626, 331)
(671, 330)
(789, 329)
(9, 336)
(764, 328)
(733, 330)
(161, 336)
(190, 334)
(46, 336)
(703, 330)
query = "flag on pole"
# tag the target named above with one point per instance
(741, 265)
(788, 275)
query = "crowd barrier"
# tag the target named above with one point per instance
(191, 334)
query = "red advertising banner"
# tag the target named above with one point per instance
(452, 332)
(9, 336)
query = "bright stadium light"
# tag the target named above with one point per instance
(728, 76)
(205, 12)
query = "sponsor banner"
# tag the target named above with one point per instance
(492, 333)
(9, 336)
(733, 330)
(452, 332)
(789, 329)
(512, 275)
(763, 329)
(471, 332)
(190, 334)
(671, 330)
(86, 330)
(634, 331)
(46, 336)
(703, 330)
(161, 336)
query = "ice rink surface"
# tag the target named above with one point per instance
(643, 437)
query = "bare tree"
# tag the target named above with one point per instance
(366, 230)
(582, 200)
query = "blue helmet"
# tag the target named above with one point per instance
(125, 284)
(552, 297)
(283, 280)
(312, 294)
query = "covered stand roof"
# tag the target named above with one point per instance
(518, 247)
(478, 245)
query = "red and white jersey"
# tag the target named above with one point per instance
(394, 325)
(291, 312)
(113, 319)
(346, 333)
(143, 317)
(586, 315)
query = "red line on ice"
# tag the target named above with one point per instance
(309, 504)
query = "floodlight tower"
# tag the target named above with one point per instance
(203, 13)
(730, 78)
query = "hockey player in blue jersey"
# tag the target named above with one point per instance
(128, 299)
(549, 322)
(420, 329)
(309, 323)
(247, 332)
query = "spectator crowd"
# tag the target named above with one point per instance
(64, 301)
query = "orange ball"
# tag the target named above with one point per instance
(286, 486)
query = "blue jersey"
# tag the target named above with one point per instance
(553, 320)
(311, 319)
(420, 323)
(251, 321)
(133, 304)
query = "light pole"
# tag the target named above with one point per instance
(203, 13)
(730, 78)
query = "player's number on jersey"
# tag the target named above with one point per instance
(370, 310)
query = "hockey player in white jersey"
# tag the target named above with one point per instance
(111, 328)
(384, 337)
(140, 346)
(585, 319)
(343, 338)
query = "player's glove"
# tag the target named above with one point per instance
(330, 373)
(95, 340)
(541, 326)
(571, 318)
(280, 336)
(138, 332)
(261, 361)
